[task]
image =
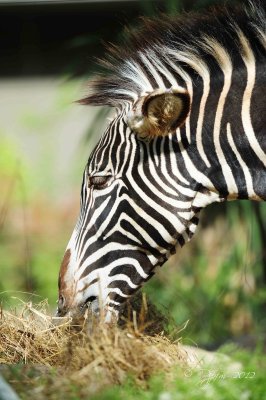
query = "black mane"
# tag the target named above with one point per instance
(186, 33)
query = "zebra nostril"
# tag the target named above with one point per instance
(60, 302)
(90, 303)
(60, 312)
(89, 300)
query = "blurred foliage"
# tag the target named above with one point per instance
(216, 281)
(37, 212)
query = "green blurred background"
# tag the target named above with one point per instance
(48, 50)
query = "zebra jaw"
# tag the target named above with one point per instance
(159, 113)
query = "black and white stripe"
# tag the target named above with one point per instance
(140, 199)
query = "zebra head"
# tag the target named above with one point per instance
(135, 209)
(189, 130)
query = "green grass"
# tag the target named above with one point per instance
(219, 383)
(205, 383)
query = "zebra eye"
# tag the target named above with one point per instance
(98, 182)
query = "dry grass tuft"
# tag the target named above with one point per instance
(105, 355)
(28, 335)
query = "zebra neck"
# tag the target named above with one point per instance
(227, 145)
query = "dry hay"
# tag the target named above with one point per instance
(104, 355)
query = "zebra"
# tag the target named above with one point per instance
(188, 129)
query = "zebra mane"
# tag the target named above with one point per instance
(128, 69)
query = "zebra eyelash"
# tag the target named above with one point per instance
(98, 181)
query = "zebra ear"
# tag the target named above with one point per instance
(159, 113)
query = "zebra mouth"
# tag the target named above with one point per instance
(91, 304)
